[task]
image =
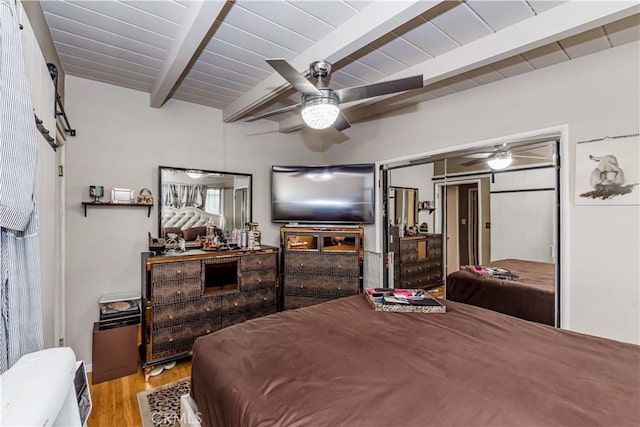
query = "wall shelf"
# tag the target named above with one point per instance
(109, 204)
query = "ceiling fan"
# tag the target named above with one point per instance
(321, 105)
(502, 156)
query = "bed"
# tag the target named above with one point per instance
(343, 363)
(532, 297)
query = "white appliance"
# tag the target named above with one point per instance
(45, 388)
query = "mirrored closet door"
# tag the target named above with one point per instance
(487, 218)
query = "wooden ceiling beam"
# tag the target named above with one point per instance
(199, 19)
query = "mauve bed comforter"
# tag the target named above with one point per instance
(341, 363)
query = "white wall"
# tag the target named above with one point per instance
(523, 223)
(255, 147)
(595, 96)
(120, 142)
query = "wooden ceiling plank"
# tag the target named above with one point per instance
(193, 30)
(559, 23)
(376, 20)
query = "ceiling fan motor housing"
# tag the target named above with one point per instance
(320, 69)
(327, 97)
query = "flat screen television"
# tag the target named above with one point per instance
(341, 194)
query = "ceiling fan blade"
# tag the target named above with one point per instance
(474, 162)
(520, 156)
(376, 89)
(478, 155)
(297, 80)
(273, 113)
(341, 123)
(529, 147)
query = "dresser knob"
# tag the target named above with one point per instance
(207, 309)
(301, 286)
(179, 292)
(170, 339)
(171, 317)
(178, 271)
(259, 262)
(301, 265)
(235, 304)
(339, 288)
(208, 330)
(264, 298)
(339, 266)
(259, 280)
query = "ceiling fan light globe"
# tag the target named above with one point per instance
(500, 161)
(320, 113)
(194, 174)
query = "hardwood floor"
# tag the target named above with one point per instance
(115, 402)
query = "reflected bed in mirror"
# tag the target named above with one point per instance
(192, 201)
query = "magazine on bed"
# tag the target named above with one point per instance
(492, 272)
(403, 300)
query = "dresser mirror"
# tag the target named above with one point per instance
(192, 201)
(405, 207)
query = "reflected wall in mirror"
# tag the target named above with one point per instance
(193, 201)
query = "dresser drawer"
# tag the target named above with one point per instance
(170, 315)
(408, 256)
(176, 271)
(248, 305)
(292, 301)
(342, 264)
(322, 282)
(408, 246)
(318, 293)
(419, 280)
(258, 262)
(207, 324)
(175, 292)
(172, 341)
(304, 262)
(257, 279)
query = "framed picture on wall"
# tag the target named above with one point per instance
(122, 195)
(607, 171)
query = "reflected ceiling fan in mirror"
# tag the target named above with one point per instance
(321, 105)
(502, 156)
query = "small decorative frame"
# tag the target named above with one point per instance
(122, 195)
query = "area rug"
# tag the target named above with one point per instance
(160, 406)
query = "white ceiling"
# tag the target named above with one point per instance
(213, 52)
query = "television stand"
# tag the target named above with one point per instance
(320, 263)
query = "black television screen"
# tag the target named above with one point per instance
(323, 194)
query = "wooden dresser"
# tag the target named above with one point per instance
(320, 264)
(418, 263)
(186, 295)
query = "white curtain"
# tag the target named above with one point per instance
(20, 289)
(182, 195)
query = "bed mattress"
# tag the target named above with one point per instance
(343, 363)
(532, 297)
